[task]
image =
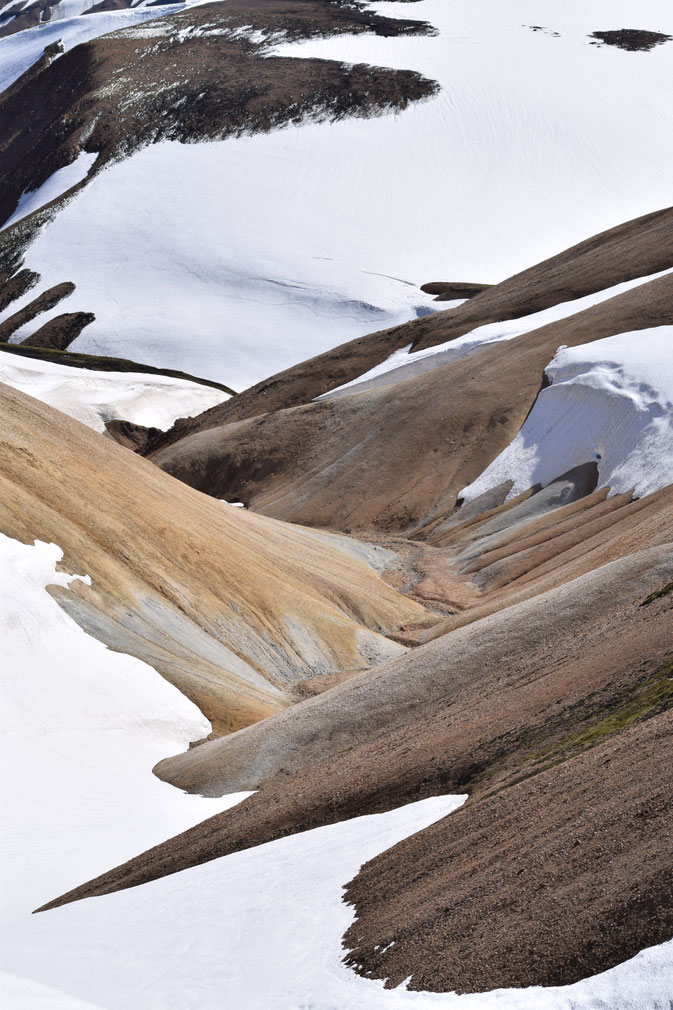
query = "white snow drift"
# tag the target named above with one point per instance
(257, 930)
(609, 401)
(94, 397)
(265, 250)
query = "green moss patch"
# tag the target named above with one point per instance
(638, 701)
(664, 591)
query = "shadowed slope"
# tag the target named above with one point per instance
(230, 607)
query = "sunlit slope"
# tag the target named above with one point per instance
(228, 606)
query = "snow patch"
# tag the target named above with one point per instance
(59, 182)
(94, 397)
(610, 401)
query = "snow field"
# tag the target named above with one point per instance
(94, 397)
(269, 249)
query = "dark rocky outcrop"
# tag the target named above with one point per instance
(59, 332)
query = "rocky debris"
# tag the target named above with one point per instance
(59, 332)
(15, 286)
(633, 40)
(43, 303)
(552, 880)
(133, 436)
(101, 363)
(447, 291)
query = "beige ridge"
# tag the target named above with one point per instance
(230, 607)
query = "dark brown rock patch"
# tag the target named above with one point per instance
(633, 40)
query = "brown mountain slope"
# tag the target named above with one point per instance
(495, 637)
(558, 866)
(395, 457)
(553, 880)
(230, 607)
(637, 248)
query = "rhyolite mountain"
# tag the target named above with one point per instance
(336, 505)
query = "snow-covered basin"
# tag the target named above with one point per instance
(269, 249)
(610, 401)
(257, 930)
(94, 397)
(405, 363)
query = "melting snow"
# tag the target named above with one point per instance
(610, 401)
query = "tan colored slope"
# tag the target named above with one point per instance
(474, 711)
(498, 640)
(230, 607)
(637, 248)
(394, 458)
